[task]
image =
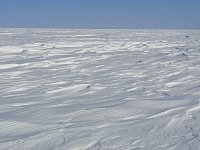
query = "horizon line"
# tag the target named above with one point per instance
(67, 28)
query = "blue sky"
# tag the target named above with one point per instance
(143, 14)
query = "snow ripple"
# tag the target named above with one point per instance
(99, 89)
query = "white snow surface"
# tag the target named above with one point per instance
(99, 89)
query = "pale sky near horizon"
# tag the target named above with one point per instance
(142, 14)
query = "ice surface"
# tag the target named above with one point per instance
(99, 89)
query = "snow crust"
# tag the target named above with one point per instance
(99, 89)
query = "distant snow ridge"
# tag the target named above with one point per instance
(99, 89)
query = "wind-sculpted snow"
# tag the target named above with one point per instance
(99, 89)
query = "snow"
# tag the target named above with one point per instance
(99, 89)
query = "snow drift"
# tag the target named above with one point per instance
(99, 89)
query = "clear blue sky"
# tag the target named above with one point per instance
(159, 14)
